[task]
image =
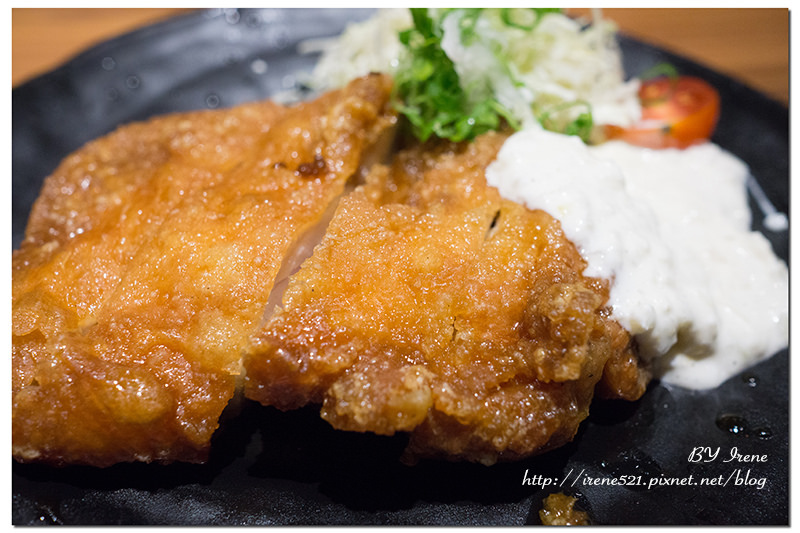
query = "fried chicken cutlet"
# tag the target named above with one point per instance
(149, 259)
(434, 306)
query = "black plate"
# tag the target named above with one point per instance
(269, 467)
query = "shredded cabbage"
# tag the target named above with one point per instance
(369, 46)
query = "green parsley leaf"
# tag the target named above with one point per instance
(428, 91)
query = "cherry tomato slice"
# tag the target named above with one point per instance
(676, 113)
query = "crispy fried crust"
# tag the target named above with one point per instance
(149, 259)
(436, 307)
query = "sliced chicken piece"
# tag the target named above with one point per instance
(149, 259)
(434, 306)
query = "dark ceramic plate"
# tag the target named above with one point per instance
(278, 468)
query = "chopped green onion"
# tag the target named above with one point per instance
(431, 95)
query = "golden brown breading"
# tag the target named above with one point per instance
(436, 307)
(149, 259)
(558, 509)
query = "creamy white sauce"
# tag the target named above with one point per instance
(704, 295)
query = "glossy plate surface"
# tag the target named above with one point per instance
(278, 468)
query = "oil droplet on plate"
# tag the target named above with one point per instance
(763, 433)
(132, 82)
(258, 66)
(733, 424)
(212, 101)
(634, 462)
(108, 63)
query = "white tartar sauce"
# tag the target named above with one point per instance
(704, 295)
